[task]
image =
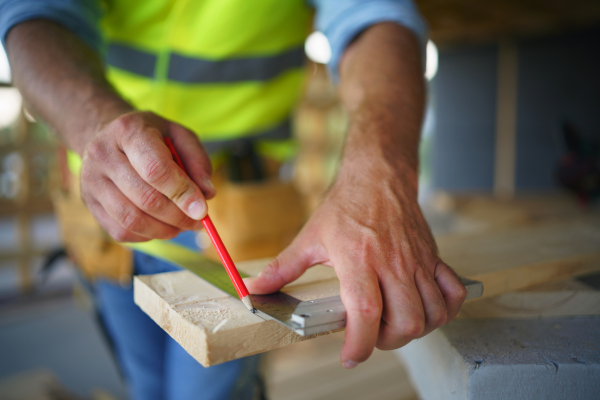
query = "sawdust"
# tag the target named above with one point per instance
(207, 314)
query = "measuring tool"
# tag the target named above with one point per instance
(303, 317)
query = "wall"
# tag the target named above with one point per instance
(558, 79)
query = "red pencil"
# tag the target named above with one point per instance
(232, 271)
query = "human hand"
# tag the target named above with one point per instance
(394, 286)
(133, 187)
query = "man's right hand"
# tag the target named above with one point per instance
(133, 187)
(129, 180)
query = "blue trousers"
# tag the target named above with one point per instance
(155, 366)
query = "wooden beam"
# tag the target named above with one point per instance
(215, 327)
(561, 299)
(521, 257)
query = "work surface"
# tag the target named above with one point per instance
(215, 327)
(557, 358)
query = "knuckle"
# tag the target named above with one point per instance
(156, 173)
(439, 318)
(97, 150)
(153, 200)
(127, 122)
(272, 269)
(368, 310)
(411, 329)
(178, 191)
(120, 235)
(131, 220)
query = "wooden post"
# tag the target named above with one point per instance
(23, 199)
(506, 121)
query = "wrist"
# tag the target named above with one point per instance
(100, 108)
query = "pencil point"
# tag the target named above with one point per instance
(248, 303)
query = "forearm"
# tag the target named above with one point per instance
(63, 80)
(382, 89)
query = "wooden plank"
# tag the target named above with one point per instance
(514, 259)
(215, 327)
(562, 299)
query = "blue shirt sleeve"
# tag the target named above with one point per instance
(341, 20)
(79, 16)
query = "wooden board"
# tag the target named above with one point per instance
(215, 327)
(561, 299)
(517, 258)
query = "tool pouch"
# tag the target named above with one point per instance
(87, 244)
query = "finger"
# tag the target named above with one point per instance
(434, 305)
(152, 160)
(145, 197)
(127, 215)
(111, 226)
(359, 289)
(451, 288)
(288, 266)
(403, 315)
(194, 157)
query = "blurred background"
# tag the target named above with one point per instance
(513, 113)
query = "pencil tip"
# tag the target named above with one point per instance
(248, 303)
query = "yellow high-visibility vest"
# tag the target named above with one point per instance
(226, 69)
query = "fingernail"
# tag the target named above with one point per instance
(266, 271)
(197, 210)
(349, 364)
(208, 184)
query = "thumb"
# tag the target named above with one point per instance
(285, 268)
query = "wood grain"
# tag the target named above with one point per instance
(561, 299)
(513, 259)
(213, 326)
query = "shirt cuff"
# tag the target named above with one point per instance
(343, 26)
(80, 17)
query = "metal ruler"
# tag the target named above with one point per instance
(303, 317)
(319, 315)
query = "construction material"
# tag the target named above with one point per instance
(557, 358)
(234, 275)
(215, 327)
(561, 299)
(521, 257)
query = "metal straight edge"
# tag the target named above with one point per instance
(319, 315)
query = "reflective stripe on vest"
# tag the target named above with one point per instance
(196, 70)
(226, 69)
